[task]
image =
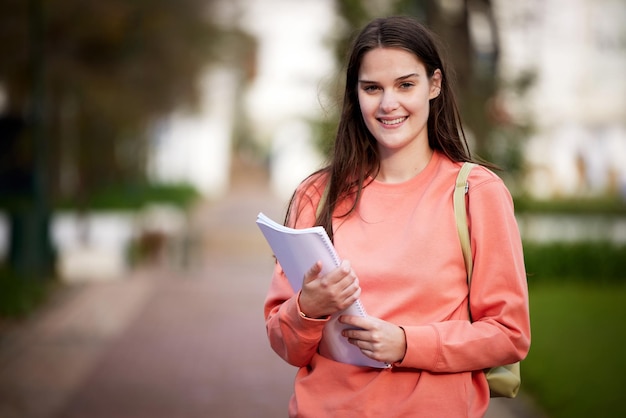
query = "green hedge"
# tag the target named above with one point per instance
(118, 197)
(592, 262)
(607, 205)
(135, 196)
(20, 296)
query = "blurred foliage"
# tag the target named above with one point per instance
(83, 84)
(20, 297)
(110, 69)
(590, 262)
(608, 205)
(575, 368)
(138, 195)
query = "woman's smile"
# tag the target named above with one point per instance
(393, 123)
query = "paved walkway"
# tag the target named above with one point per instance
(164, 342)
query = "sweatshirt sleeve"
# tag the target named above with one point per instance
(500, 331)
(292, 336)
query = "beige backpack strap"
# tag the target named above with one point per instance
(460, 214)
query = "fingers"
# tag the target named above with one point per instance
(357, 322)
(376, 338)
(364, 340)
(343, 274)
(313, 272)
(347, 277)
(350, 292)
(342, 281)
(340, 274)
(323, 295)
(347, 285)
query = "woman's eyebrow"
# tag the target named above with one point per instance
(401, 78)
(404, 77)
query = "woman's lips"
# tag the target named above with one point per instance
(392, 122)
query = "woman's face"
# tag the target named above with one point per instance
(394, 93)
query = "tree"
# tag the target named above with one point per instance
(85, 79)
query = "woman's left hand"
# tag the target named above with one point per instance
(377, 339)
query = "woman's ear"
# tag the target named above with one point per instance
(435, 84)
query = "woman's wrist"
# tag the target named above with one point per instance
(303, 314)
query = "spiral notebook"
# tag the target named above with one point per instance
(297, 250)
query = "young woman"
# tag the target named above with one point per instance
(389, 186)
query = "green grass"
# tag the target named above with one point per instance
(576, 366)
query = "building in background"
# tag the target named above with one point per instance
(196, 147)
(576, 51)
(295, 63)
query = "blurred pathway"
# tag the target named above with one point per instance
(165, 343)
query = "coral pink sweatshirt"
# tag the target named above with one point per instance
(403, 245)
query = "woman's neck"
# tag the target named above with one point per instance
(399, 167)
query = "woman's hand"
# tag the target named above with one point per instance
(377, 339)
(325, 295)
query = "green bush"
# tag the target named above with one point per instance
(135, 196)
(19, 296)
(582, 261)
(607, 205)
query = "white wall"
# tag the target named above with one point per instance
(578, 50)
(295, 64)
(196, 147)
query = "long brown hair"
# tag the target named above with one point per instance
(355, 156)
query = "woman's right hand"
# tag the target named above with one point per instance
(324, 295)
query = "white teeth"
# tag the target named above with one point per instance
(392, 122)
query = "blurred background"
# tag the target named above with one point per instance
(124, 124)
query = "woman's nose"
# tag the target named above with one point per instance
(389, 102)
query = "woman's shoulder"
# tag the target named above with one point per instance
(479, 172)
(314, 184)
(305, 200)
(309, 191)
(479, 176)
(485, 183)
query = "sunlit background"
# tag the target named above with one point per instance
(121, 121)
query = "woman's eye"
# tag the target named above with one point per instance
(406, 85)
(370, 89)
